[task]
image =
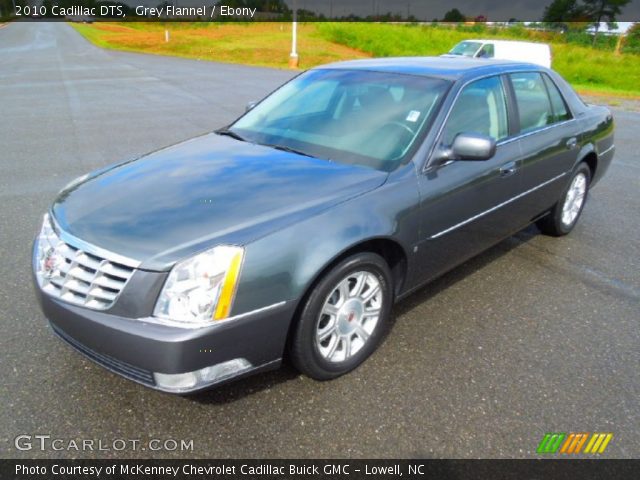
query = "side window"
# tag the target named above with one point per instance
(534, 108)
(560, 110)
(487, 51)
(480, 108)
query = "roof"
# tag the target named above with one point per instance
(505, 42)
(443, 67)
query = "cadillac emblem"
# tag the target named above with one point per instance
(50, 263)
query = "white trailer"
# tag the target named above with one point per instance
(538, 53)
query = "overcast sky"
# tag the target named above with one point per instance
(429, 9)
(493, 10)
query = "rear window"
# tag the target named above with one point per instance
(534, 106)
(560, 110)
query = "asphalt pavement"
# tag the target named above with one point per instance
(536, 335)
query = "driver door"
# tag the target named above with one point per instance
(467, 206)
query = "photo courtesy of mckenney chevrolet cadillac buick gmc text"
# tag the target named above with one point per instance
(293, 230)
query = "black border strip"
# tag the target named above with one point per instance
(534, 469)
(317, 10)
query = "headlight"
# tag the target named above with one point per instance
(47, 259)
(201, 289)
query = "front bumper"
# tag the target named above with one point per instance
(139, 348)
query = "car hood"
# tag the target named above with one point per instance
(207, 191)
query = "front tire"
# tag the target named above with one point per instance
(565, 214)
(344, 317)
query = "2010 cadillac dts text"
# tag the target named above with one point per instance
(296, 228)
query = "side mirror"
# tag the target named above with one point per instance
(250, 106)
(473, 146)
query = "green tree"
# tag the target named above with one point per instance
(454, 15)
(6, 8)
(603, 11)
(559, 12)
(632, 41)
(633, 33)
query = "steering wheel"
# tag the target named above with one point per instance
(392, 138)
(400, 125)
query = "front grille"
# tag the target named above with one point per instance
(77, 276)
(129, 371)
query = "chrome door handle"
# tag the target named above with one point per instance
(508, 169)
(572, 143)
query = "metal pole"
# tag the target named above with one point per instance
(293, 57)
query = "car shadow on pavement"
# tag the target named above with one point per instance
(463, 270)
(237, 390)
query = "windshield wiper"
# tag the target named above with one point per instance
(230, 133)
(288, 149)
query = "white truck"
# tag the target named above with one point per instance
(538, 53)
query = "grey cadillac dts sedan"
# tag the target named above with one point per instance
(292, 231)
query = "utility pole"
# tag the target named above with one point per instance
(293, 57)
(619, 44)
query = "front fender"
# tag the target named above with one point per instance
(282, 265)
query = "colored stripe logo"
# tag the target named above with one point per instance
(573, 443)
(598, 443)
(551, 442)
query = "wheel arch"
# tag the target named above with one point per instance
(389, 249)
(591, 159)
(589, 156)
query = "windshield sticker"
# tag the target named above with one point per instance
(413, 116)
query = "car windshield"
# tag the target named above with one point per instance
(466, 49)
(347, 116)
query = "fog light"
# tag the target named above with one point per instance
(184, 382)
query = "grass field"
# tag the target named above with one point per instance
(592, 70)
(587, 69)
(265, 43)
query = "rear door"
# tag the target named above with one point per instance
(548, 136)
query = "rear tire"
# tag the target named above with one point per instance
(565, 214)
(344, 317)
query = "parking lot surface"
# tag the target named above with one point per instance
(536, 335)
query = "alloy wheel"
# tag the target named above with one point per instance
(574, 199)
(349, 316)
